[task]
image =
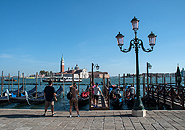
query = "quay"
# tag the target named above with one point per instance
(32, 119)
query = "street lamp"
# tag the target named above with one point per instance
(97, 67)
(136, 43)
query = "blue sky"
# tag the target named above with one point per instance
(34, 34)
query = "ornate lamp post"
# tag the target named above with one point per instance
(136, 43)
(97, 67)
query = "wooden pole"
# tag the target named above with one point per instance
(144, 87)
(36, 85)
(23, 81)
(123, 79)
(108, 92)
(150, 78)
(25, 84)
(9, 82)
(2, 84)
(104, 89)
(170, 78)
(119, 79)
(18, 82)
(63, 86)
(79, 83)
(40, 80)
(124, 85)
(164, 79)
(72, 78)
(156, 79)
(133, 79)
(12, 85)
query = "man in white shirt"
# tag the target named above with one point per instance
(96, 94)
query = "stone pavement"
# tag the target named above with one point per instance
(26, 119)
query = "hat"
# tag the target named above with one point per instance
(97, 83)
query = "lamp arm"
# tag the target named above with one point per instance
(141, 44)
(127, 50)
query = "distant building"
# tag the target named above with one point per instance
(77, 72)
(98, 74)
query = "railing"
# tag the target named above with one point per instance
(168, 94)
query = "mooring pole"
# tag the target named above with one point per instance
(144, 87)
(9, 82)
(18, 82)
(2, 84)
(63, 86)
(12, 85)
(23, 81)
(36, 85)
(119, 79)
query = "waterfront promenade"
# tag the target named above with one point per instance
(26, 119)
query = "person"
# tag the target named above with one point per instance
(50, 96)
(91, 90)
(132, 91)
(96, 94)
(74, 100)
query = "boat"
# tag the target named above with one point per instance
(10, 80)
(115, 96)
(128, 99)
(40, 97)
(5, 97)
(60, 79)
(83, 99)
(23, 96)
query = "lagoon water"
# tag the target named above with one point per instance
(63, 103)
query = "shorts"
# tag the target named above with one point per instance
(48, 103)
(96, 97)
(92, 95)
(73, 101)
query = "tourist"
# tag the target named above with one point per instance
(96, 94)
(91, 91)
(74, 100)
(132, 91)
(50, 96)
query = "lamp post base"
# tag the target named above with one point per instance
(139, 113)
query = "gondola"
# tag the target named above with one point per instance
(40, 97)
(23, 96)
(83, 99)
(115, 97)
(5, 97)
(128, 99)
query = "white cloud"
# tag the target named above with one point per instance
(6, 56)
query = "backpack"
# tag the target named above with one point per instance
(69, 95)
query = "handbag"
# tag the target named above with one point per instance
(69, 95)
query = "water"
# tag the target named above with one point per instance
(63, 103)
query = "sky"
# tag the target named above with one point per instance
(34, 34)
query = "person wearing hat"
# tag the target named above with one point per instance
(50, 96)
(97, 92)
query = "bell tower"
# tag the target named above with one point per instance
(62, 64)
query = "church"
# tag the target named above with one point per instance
(82, 73)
